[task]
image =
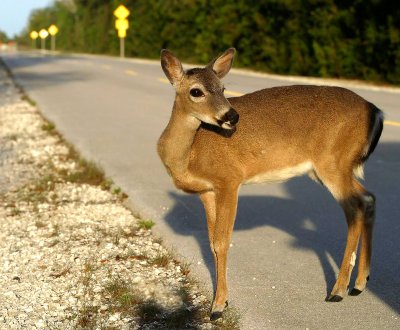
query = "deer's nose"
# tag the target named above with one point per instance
(231, 116)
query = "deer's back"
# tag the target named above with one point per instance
(285, 125)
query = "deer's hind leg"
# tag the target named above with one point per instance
(358, 207)
(366, 242)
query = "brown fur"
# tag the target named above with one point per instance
(326, 132)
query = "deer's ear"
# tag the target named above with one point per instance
(172, 67)
(221, 65)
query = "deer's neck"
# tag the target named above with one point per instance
(176, 141)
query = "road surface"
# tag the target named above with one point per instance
(288, 239)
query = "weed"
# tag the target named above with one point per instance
(145, 224)
(87, 317)
(88, 172)
(15, 211)
(121, 296)
(161, 260)
(89, 267)
(37, 191)
(185, 267)
(126, 300)
(24, 97)
(117, 287)
(116, 190)
(133, 255)
(119, 193)
(48, 127)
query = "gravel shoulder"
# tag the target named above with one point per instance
(72, 255)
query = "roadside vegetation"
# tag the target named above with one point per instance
(330, 38)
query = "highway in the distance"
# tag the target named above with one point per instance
(288, 239)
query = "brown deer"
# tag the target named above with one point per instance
(326, 132)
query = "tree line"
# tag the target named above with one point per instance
(354, 39)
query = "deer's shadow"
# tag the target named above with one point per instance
(312, 203)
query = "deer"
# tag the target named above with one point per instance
(212, 145)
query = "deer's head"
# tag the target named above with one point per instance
(199, 91)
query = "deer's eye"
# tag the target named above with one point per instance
(195, 92)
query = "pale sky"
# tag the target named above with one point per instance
(14, 14)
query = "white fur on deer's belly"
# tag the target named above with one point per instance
(282, 174)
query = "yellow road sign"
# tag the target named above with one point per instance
(121, 12)
(34, 35)
(43, 34)
(121, 24)
(122, 33)
(53, 30)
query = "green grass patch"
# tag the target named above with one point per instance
(48, 127)
(26, 98)
(88, 172)
(121, 297)
(146, 224)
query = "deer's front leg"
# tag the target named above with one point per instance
(208, 199)
(226, 205)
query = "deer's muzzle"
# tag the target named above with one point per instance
(229, 119)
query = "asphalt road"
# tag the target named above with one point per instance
(288, 239)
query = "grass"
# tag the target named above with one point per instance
(37, 191)
(87, 319)
(161, 260)
(48, 127)
(88, 172)
(145, 224)
(185, 268)
(121, 296)
(26, 98)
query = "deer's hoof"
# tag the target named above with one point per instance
(217, 310)
(355, 292)
(334, 298)
(215, 316)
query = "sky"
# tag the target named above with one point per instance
(14, 14)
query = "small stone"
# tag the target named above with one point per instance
(29, 309)
(114, 317)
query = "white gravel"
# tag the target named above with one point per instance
(68, 251)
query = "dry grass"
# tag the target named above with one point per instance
(161, 260)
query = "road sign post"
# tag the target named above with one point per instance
(53, 30)
(121, 24)
(43, 34)
(33, 35)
